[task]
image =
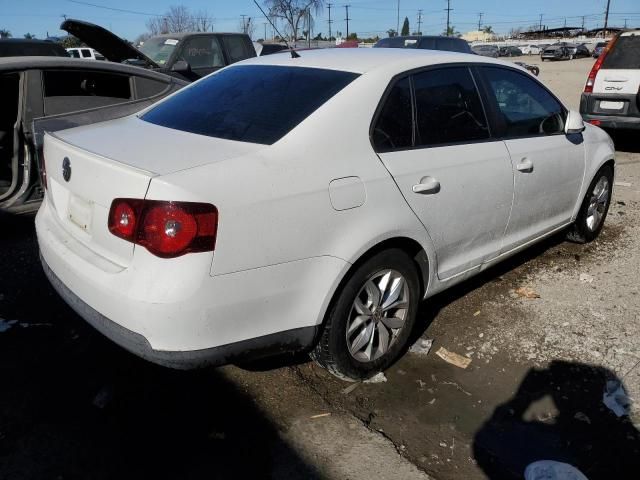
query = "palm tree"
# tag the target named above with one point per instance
(488, 29)
(29, 36)
(5, 33)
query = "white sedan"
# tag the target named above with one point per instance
(530, 49)
(285, 204)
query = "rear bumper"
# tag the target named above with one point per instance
(282, 342)
(627, 117)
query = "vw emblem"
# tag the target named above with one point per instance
(66, 169)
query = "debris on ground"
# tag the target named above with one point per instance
(6, 325)
(476, 313)
(377, 378)
(551, 470)
(453, 358)
(320, 415)
(350, 388)
(582, 417)
(458, 387)
(103, 398)
(586, 278)
(422, 346)
(622, 184)
(616, 399)
(527, 292)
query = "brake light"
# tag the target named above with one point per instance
(591, 79)
(597, 123)
(166, 229)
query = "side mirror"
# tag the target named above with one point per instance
(574, 123)
(181, 66)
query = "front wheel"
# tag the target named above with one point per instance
(371, 317)
(594, 208)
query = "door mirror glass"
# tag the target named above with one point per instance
(575, 124)
(181, 67)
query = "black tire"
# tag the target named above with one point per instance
(332, 351)
(580, 231)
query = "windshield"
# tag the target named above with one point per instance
(250, 103)
(159, 49)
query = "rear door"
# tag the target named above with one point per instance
(203, 53)
(617, 86)
(455, 177)
(548, 166)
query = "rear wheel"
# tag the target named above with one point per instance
(594, 208)
(371, 317)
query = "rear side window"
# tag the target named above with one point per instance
(74, 53)
(453, 45)
(393, 129)
(202, 52)
(86, 53)
(86, 84)
(448, 107)
(625, 54)
(250, 103)
(525, 107)
(237, 48)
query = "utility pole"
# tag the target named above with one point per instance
(565, 22)
(606, 20)
(329, 5)
(583, 24)
(265, 29)
(244, 25)
(309, 27)
(448, 9)
(346, 8)
(540, 29)
(398, 21)
(420, 21)
(625, 23)
(480, 21)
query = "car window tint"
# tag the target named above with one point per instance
(86, 53)
(74, 53)
(250, 103)
(202, 52)
(448, 107)
(625, 54)
(145, 87)
(525, 106)
(237, 48)
(393, 128)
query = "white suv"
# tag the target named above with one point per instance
(311, 202)
(611, 97)
(86, 53)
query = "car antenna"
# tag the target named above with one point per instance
(294, 54)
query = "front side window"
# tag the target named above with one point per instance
(237, 48)
(250, 103)
(393, 129)
(74, 53)
(448, 107)
(525, 107)
(202, 52)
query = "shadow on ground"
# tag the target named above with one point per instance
(74, 406)
(557, 414)
(625, 140)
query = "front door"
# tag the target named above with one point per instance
(454, 176)
(548, 165)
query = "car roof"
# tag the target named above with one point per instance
(363, 60)
(630, 33)
(27, 40)
(181, 35)
(30, 63)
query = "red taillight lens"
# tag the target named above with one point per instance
(591, 79)
(166, 229)
(597, 123)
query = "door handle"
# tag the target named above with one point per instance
(525, 166)
(427, 186)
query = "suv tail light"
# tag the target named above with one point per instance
(591, 79)
(166, 229)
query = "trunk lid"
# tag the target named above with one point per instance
(111, 46)
(88, 167)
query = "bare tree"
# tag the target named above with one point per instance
(202, 21)
(293, 11)
(179, 19)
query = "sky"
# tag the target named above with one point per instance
(127, 18)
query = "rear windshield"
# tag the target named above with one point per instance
(19, 49)
(625, 54)
(397, 42)
(250, 103)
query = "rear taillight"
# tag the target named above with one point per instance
(166, 229)
(591, 79)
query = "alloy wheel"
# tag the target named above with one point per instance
(598, 203)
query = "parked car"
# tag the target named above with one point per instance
(582, 51)
(268, 48)
(530, 50)
(555, 52)
(600, 46)
(509, 51)
(425, 42)
(22, 47)
(44, 89)
(186, 55)
(311, 251)
(611, 96)
(85, 52)
(486, 50)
